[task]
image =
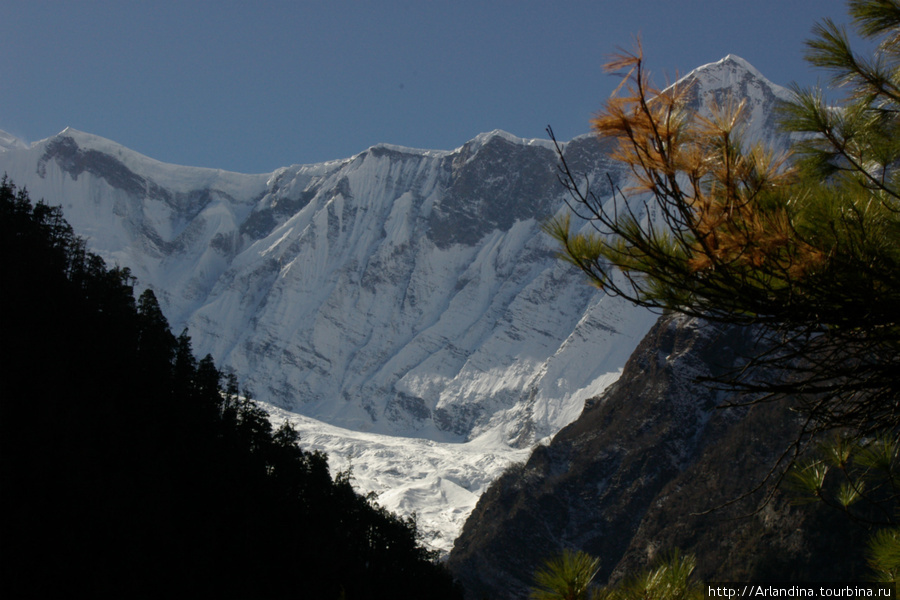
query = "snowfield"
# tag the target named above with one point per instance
(437, 482)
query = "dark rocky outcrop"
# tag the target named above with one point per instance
(639, 473)
(492, 185)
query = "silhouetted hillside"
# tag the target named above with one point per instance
(130, 469)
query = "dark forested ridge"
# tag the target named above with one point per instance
(131, 469)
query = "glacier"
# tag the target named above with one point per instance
(400, 307)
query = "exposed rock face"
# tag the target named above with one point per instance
(634, 476)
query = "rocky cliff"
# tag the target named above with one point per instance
(652, 465)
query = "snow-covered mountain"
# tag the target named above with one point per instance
(400, 292)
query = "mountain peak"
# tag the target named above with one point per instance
(732, 71)
(76, 134)
(483, 139)
(734, 77)
(86, 141)
(732, 63)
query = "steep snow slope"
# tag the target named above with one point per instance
(399, 292)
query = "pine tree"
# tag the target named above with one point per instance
(565, 577)
(805, 247)
(670, 579)
(569, 576)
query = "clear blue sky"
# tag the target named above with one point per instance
(251, 86)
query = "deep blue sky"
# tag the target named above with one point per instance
(251, 86)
